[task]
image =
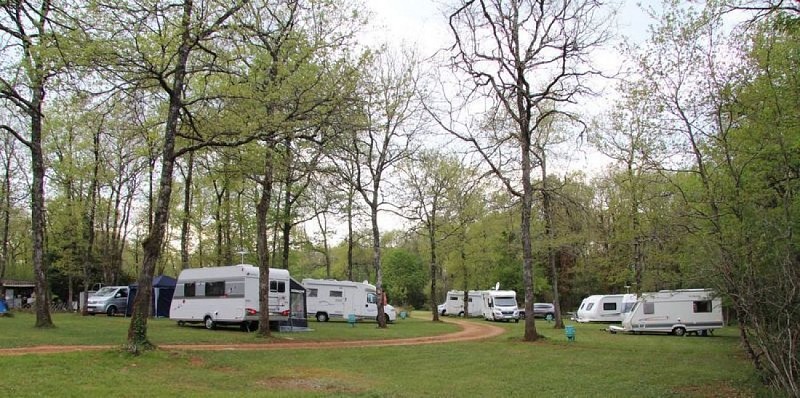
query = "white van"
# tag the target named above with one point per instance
(674, 311)
(329, 298)
(228, 296)
(454, 303)
(109, 300)
(604, 308)
(500, 305)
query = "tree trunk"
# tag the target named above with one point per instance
(187, 208)
(432, 241)
(525, 231)
(137, 332)
(350, 242)
(6, 217)
(262, 243)
(42, 303)
(376, 261)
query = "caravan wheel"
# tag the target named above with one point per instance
(679, 331)
(322, 317)
(210, 324)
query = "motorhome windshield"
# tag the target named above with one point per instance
(106, 291)
(505, 301)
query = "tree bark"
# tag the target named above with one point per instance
(262, 242)
(137, 332)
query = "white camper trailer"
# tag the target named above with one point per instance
(228, 295)
(674, 311)
(604, 308)
(454, 304)
(329, 298)
(499, 305)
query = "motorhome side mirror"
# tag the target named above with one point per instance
(118, 295)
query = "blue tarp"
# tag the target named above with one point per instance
(161, 298)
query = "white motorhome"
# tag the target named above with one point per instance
(330, 298)
(454, 303)
(228, 296)
(499, 305)
(674, 311)
(604, 308)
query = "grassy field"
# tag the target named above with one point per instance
(597, 364)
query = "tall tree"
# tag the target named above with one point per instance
(31, 59)
(393, 117)
(521, 55)
(439, 183)
(163, 47)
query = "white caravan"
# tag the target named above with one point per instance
(604, 308)
(228, 296)
(674, 311)
(329, 298)
(454, 303)
(499, 305)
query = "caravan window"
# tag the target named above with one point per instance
(649, 308)
(701, 306)
(275, 286)
(609, 306)
(372, 298)
(470, 299)
(336, 293)
(312, 292)
(215, 289)
(589, 307)
(188, 289)
(454, 298)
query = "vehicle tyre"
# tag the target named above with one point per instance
(385, 316)
(461, 314)
(516, 320)
(551, 315)
(181, 323)
(322, 317)
(111, 311)
(209, 323)
(704, 333)
(249, 326)
(679, 331)
(444, 312)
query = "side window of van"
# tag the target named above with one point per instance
(312, 292)
(275, 286)
(702, 306)
(649, 308)
(609, 306)
(215, 289)
(188, 289)
(372, 298)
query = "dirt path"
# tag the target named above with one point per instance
(469, 331)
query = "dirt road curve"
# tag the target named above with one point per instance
(469, 331)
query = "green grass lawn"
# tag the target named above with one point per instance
(597, 364)
(73, 329)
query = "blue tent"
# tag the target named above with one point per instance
(161, 298)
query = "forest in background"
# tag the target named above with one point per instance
(144, 137)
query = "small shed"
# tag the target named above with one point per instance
(161, 298)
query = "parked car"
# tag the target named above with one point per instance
(110, 300)
(542, 310)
